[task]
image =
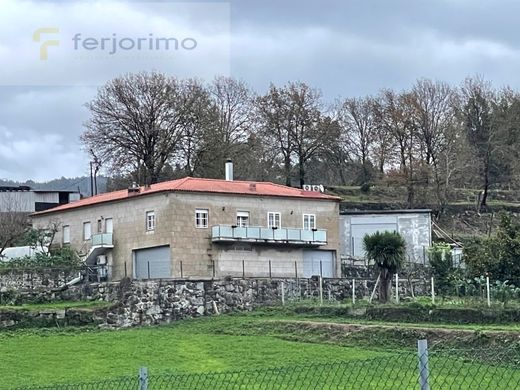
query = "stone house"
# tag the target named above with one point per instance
(198, 228)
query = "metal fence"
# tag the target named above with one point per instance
(495, 368)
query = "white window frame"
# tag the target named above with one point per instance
(274, 214)
(241, 217)
(150, 221)
(201, 218)
(309, 217)
(66, 237)
(87, 232)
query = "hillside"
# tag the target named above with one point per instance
(460, 218)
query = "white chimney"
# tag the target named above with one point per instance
(229, 170)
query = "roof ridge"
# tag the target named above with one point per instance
(226, 181)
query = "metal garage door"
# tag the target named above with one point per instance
(312, 260)
(153, 263)
(363, 225)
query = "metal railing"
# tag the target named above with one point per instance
(264, 234)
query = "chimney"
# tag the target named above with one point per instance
(134, 189)
(229, 170)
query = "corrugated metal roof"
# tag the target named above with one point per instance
(400, 211)
(190, 184)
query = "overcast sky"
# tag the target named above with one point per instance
(344, 48)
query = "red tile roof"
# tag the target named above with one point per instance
(190, 184)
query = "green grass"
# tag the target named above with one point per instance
(58, 305)
(241, 342)
(49, 356)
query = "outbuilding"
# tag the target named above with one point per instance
(413, 225)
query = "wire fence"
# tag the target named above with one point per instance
(491, 368)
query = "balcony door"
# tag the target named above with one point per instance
(109, 225)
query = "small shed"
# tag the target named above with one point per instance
(413, 225)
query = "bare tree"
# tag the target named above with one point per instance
(13, 221)
(137, 122)
(358, 121)
(273, 114)
(434, 116)
(481, 112)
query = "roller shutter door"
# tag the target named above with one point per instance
(363, 225)
(153, 263)
(312, 259)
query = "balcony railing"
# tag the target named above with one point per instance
(269, 235)
(102, 239)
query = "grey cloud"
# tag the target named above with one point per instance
(345, 48)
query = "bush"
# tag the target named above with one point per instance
(62, 258)
(497, 256)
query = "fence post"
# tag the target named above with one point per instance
(396, 288)
(181, 271)
(244, 269)
(283, 293)
(353, 291)
(143, 378)
(424, 372)
(487, 292)
(270, 271)
(321, 290)
(433, 291)
(148, 270)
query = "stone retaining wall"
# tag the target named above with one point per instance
(163, 301)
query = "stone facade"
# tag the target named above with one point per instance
(193, 247)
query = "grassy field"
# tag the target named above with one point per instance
(257, 341)
(49, 356)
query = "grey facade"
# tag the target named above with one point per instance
(23, 199)
(413, 225)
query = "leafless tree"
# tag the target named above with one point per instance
(358, 121)
(13, 220)
(274, 117)
(434, 116)
(137, 122)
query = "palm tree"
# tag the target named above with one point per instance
(387, 249)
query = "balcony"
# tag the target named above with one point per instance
(99, 245)
(291, 236)
(101, 239)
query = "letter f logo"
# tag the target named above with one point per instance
(45, 44)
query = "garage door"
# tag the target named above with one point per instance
(361, 226)
(153, 263)
(313, 260)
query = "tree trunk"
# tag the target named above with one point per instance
(287, 169)
(302, 174)
(385, 286)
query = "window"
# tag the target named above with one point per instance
(309, 221)
(87, 231)
(100, 226)
(66, 234)
(274, 220)
(201, 218)
(109, 225)
(242, 218)
(150, 220)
